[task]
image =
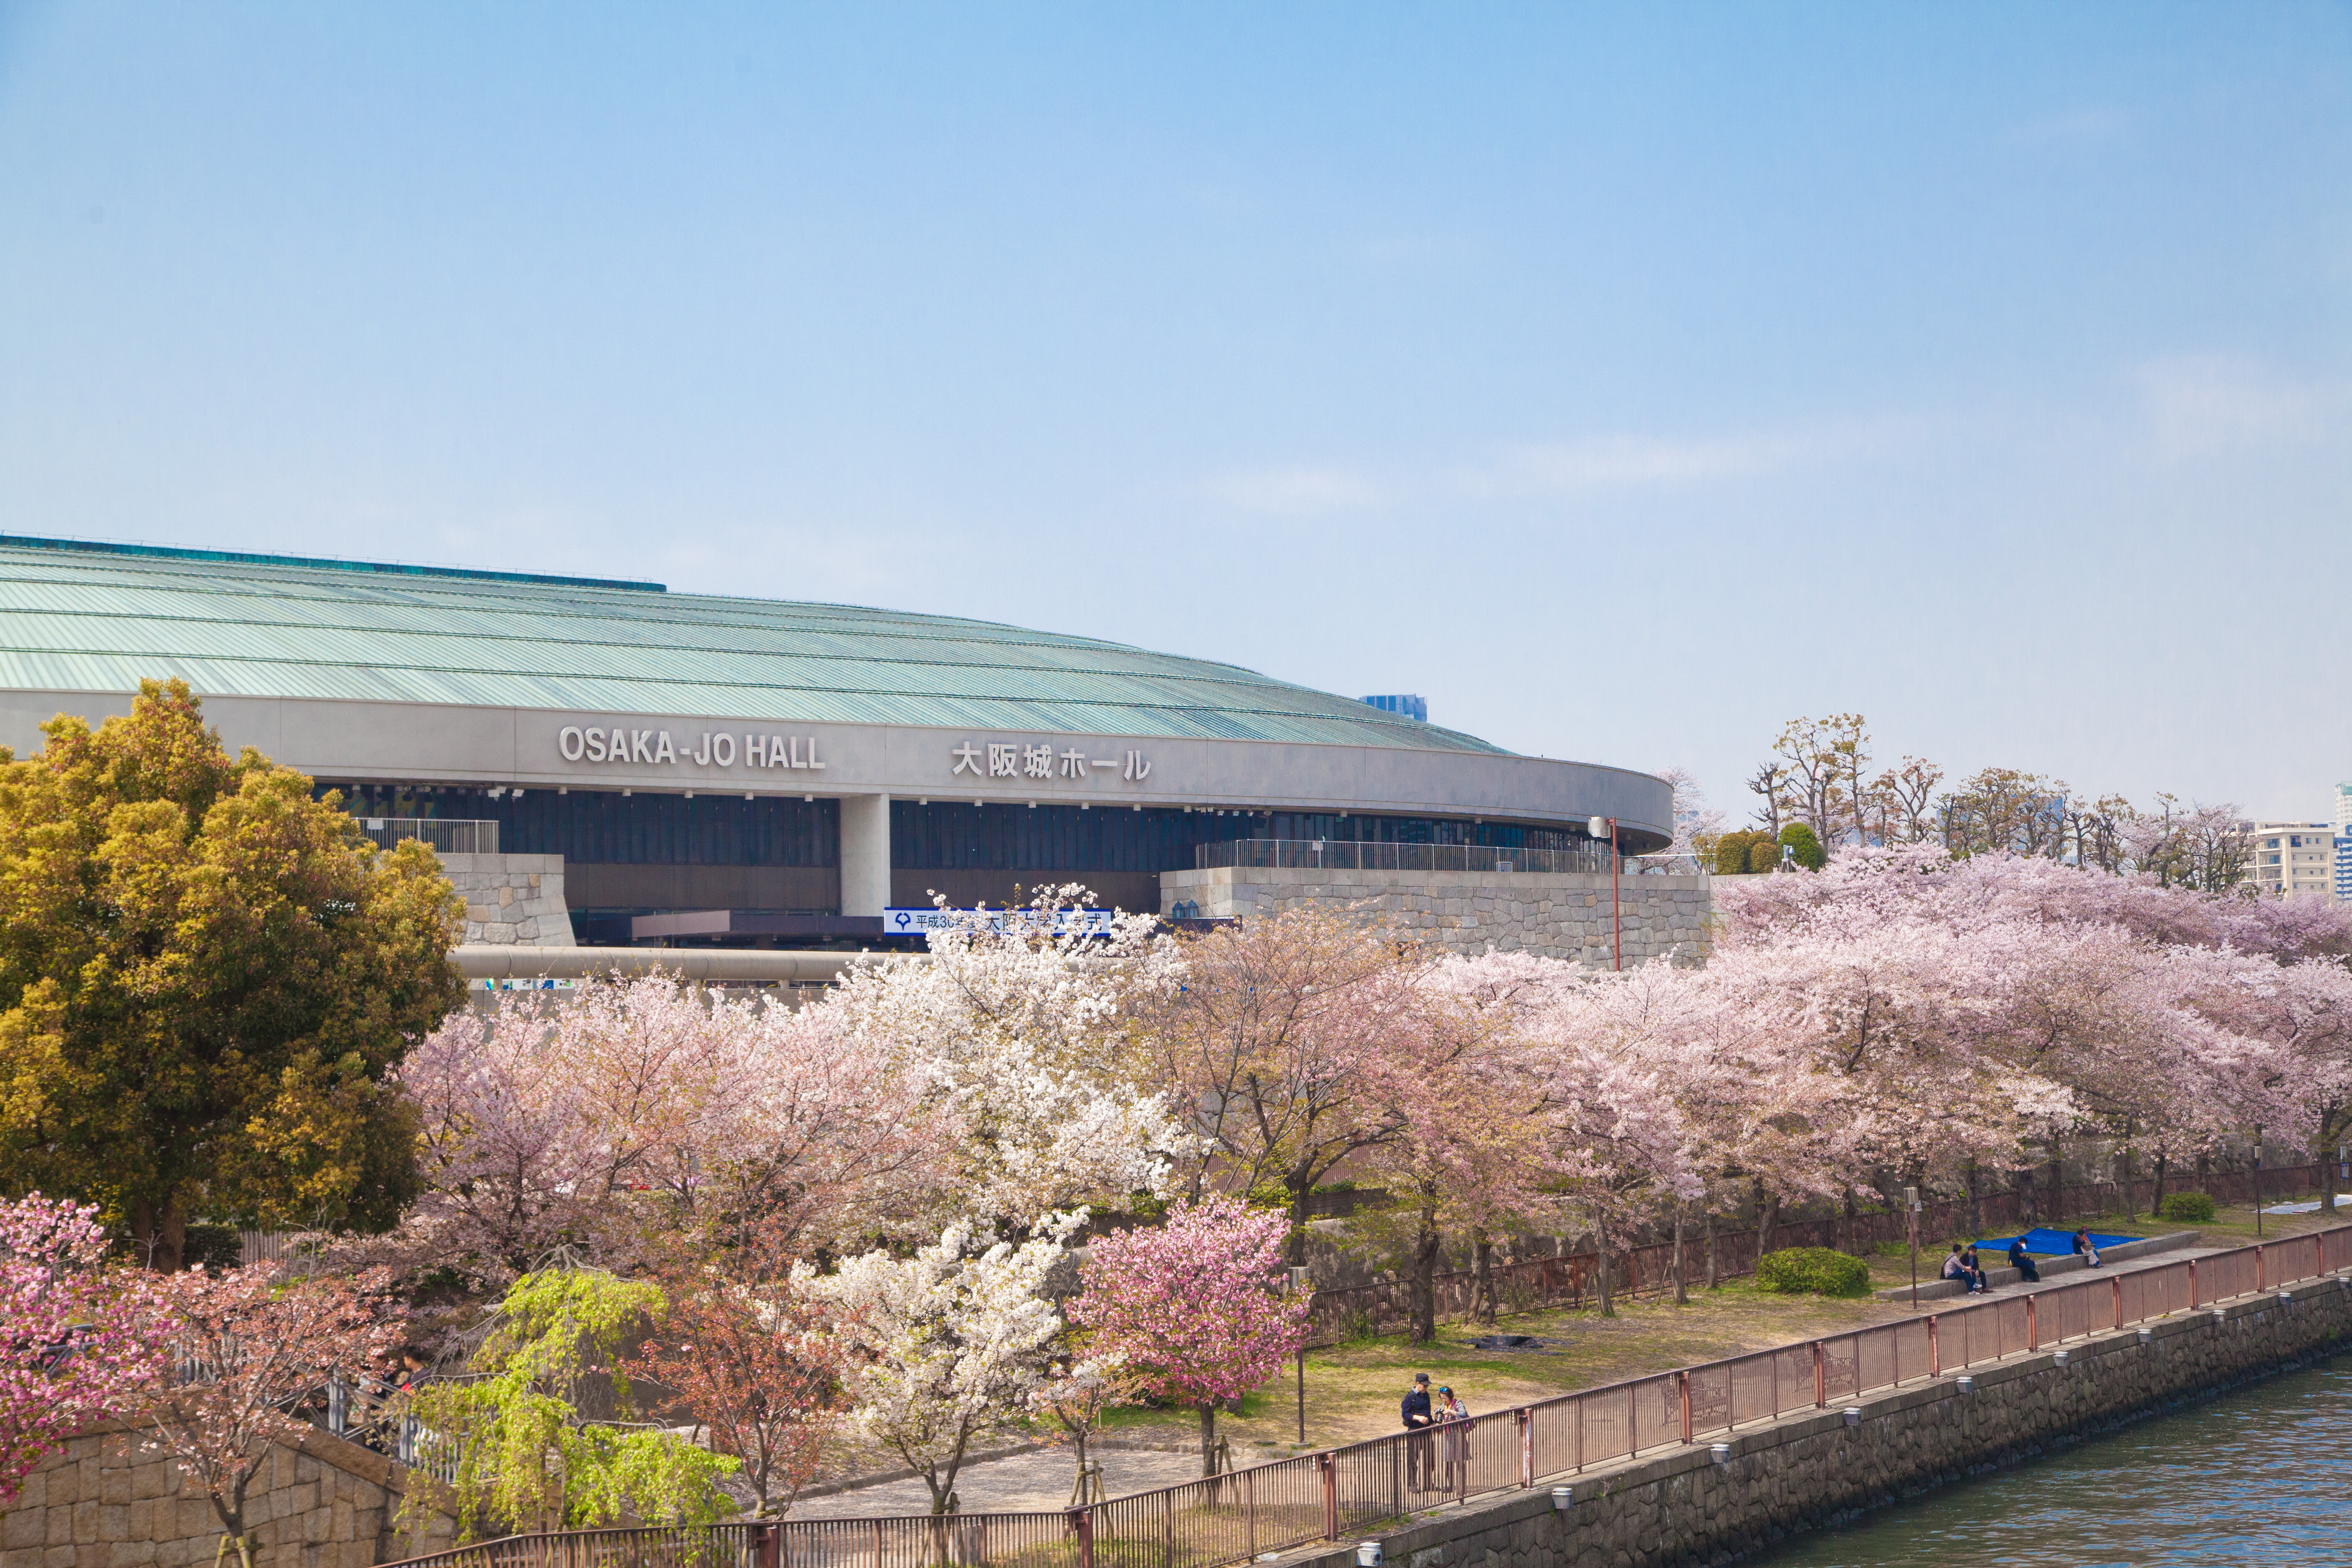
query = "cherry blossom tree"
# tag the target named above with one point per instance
(1018, 1031)
(1269, 1043)
(632, 1120)
(949, 1346)
(255, 1346)
(1082, 1386)
(80, 1344)
(759, 1367)
(1465, 1158)
(1194, 1305)
(2007, 997)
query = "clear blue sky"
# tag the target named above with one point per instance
(1626, 381)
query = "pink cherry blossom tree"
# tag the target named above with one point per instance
(252, 1348)
(634, 1119)
(1194, 1305)
(78, 1343)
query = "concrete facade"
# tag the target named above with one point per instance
(99, 1502)
(511, 900)
(1692, 1505)
(340, 740)
(1552, 915)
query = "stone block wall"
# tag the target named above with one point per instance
(1691, 1506)
(99, 1502)
(513, 900)
(1552, 915)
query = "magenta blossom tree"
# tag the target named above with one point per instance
(76, 1345)
(1195, 1305)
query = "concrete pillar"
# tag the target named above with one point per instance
(865, 853)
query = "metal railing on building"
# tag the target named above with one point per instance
(1367, 855)
(1242, 1514)
(442, 835)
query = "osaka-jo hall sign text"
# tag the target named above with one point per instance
(1062, 759)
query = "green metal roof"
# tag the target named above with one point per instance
(100, 617)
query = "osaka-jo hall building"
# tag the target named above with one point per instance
(606, 762)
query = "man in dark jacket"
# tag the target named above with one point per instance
(1418, 1420)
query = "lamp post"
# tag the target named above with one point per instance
(1607, 826)
(1301, 1284)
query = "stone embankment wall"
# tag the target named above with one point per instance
(1552, 915)
(513, 900)
(1690, 1505)
(99, 1502)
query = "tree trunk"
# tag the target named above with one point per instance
(2029, 1212)
(162, 1234)
(1426, 1243)
(2128, 1200)
(1302, 1188)
(1487, 1305)
(1976, 1202)
(2057, 1179)
(2156, 1198)
(1845, 1224)
(1768, 1210)
(1600, 1235)
(2329, 1133)
(1682, 1288)
(1208, 1439)
(1714, 1278)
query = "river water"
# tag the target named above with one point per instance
(2260, 1476)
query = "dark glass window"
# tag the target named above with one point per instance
(595, 827)
(947, 836)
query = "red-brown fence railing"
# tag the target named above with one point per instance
(1290, 1502)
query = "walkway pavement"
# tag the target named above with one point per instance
(1034, 1482)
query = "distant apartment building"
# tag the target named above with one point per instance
(1404, 704)
(2295, 859)
(2343, 844)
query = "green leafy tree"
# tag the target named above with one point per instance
(1807, 846)
(527, 1458)
(206, 978)
(1764, 854)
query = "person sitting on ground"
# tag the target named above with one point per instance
(2082, 1247)
(2022, 1263)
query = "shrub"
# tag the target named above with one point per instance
(1764, 854)
(1807, 845)
(2191, 1206)
(1731, 852)
(1814, 1270)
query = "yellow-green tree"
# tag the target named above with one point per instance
(205, 979)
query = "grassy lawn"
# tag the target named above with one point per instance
(1352, 1390)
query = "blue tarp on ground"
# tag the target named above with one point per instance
(2046, 1243)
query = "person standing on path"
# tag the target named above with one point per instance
(1455, 1417)
(1418, 1419)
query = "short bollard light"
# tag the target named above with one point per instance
(1719, 1452)
(1854, 1416)
(1369, 1554)
(1563, 1499)
(2148, 1336)
(1969, 1384)
(2058, 1358)
(2286, 1298)
(2220, 1315)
